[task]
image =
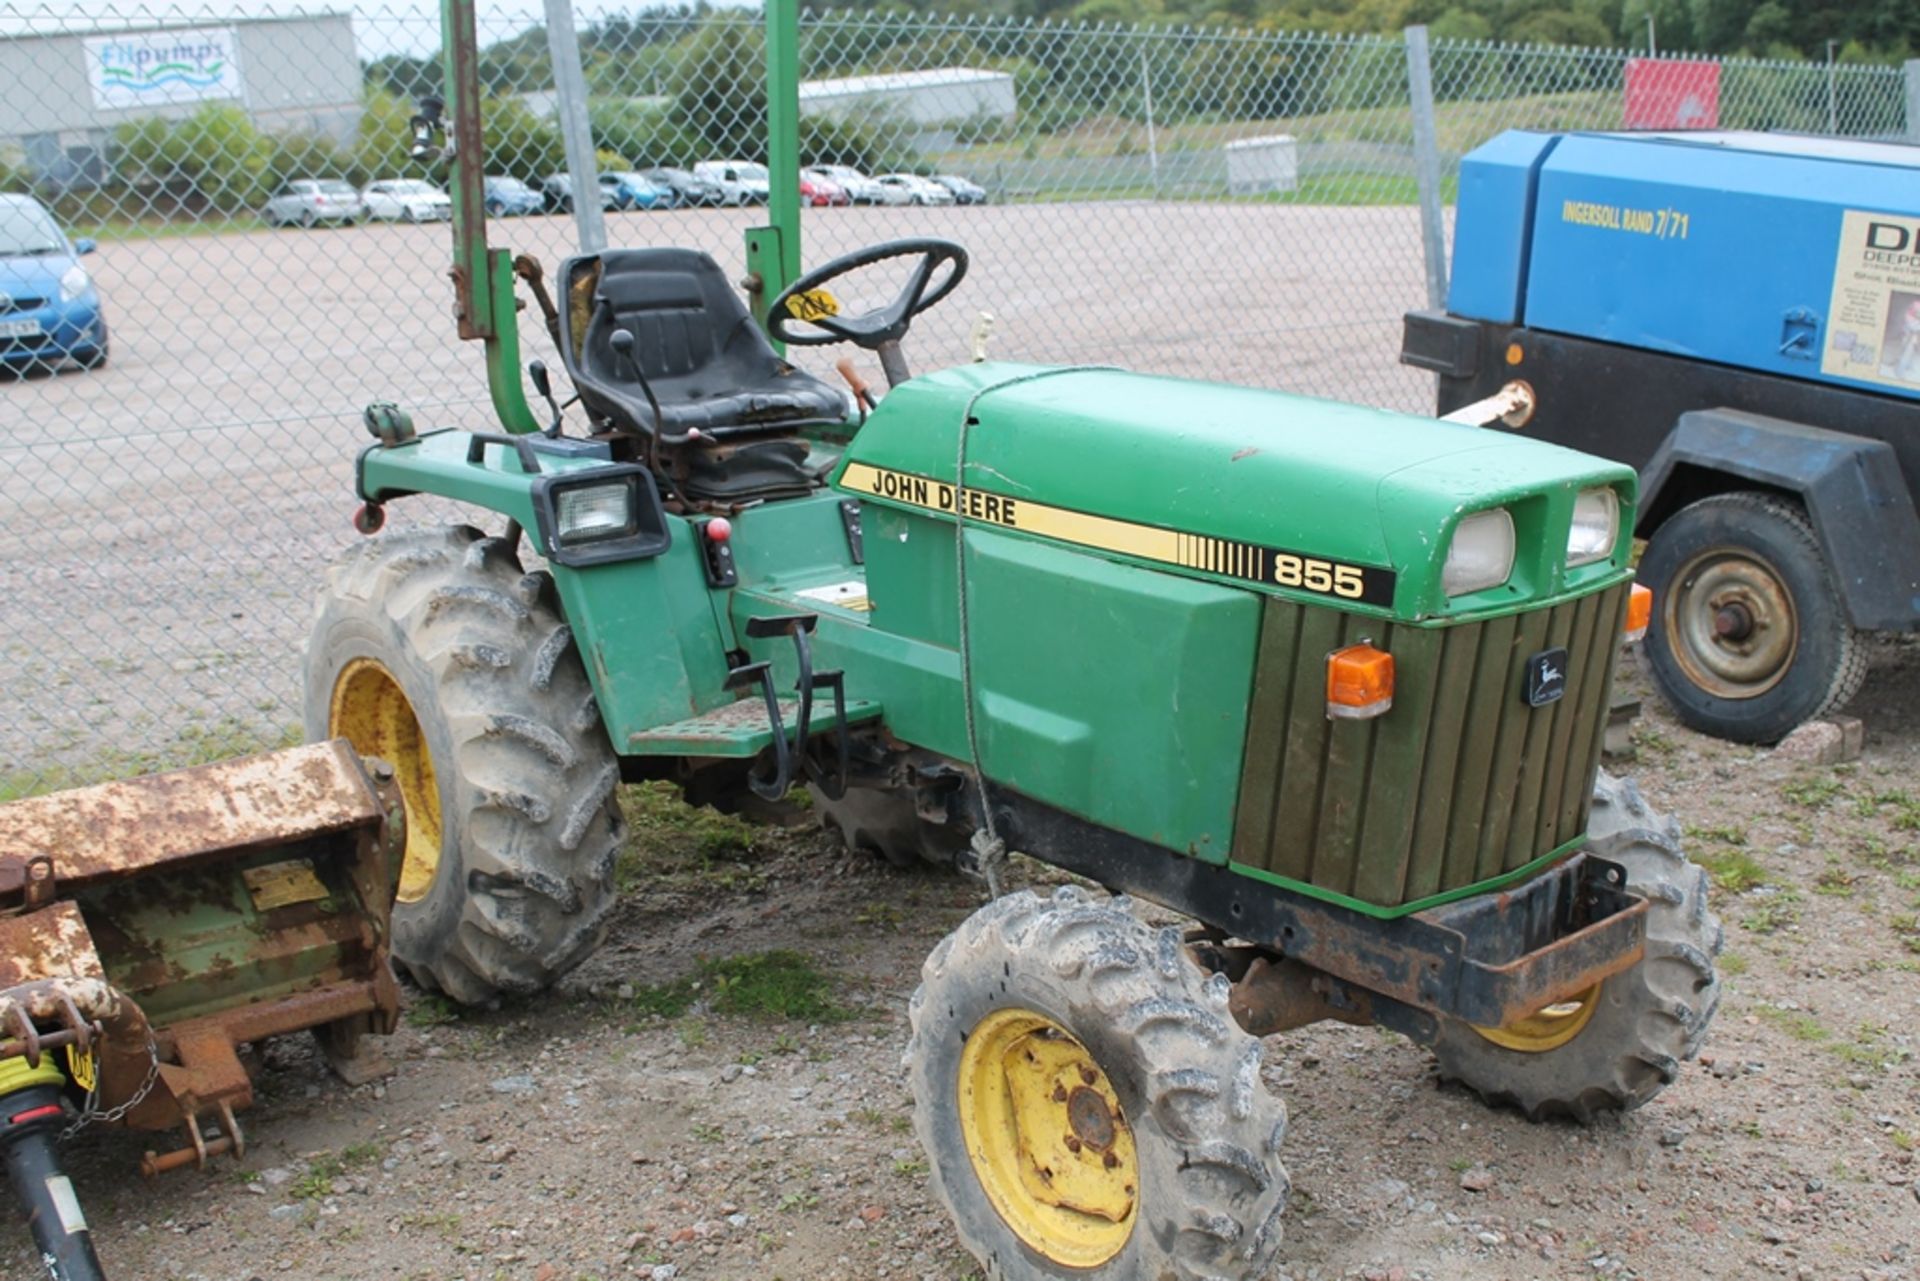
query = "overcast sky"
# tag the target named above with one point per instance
(379, 26)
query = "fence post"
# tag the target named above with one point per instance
(1913, 99)
(1153, 143)
(570, 104)
(1426, 165)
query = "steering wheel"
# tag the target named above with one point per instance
(819, 310)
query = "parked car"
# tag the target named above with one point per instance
(407, 200)
(510, 198)
(860, 189)
(636, 191)
(687, 187)
(741, 182)
(916, 190)
(308, 202)
(49, 308)
(818, 191)
(965, 190)
(556, 189)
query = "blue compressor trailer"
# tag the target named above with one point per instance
(1737, 315)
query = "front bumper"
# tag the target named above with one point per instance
(67, 330)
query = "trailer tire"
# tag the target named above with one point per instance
(1630, 1033)
(1748, 561)
(1173, 1091)
(434, 649)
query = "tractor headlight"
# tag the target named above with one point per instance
(1596, 527)
(74, 284)
(589, 513)
(1481, 555)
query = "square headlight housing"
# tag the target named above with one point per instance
(1481, 553)
(1595, 530)
(600, 515)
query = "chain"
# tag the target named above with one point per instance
(88, 1114)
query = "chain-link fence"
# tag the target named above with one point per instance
(177, 431)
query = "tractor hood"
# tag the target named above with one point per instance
(1301, 497)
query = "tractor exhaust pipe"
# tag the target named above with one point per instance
(1511, 406)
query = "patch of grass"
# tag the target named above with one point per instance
(671, 841)
(1812, 791)
(430, 1009)
(1733, 964)
(781, 984)
(911, 1167)
(693, 1032)
(1901, 1139)
(1778, 912)
(1834, 880)
(1722, 835)
(1906, 928)
(1797, 1024)
(1733, 870)
(1652, 740)
(793, 1201)
(317, 1182)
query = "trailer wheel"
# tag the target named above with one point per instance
(1616, 1045)
(1087, 1103)
(434, 650)
(1750, 636)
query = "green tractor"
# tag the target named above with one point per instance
(1329, 681)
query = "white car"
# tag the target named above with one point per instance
(741, 182)
(407, 200)
(917, 190)
(860, 189)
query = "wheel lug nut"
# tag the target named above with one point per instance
(1073, 1144)
(1110, 1160)
(1059, 1093)
(1088, 1075)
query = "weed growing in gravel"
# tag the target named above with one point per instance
(1812, 791)
(673, 842)
(1733, 870)
(1778, 912)
(1906, 928)
(430, 1009)
(1835, 880)
(1797, 1024)
(1732, 964)
(781, 984)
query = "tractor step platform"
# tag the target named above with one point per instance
(738, 729)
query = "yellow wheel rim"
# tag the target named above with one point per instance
(369, 711)
(1547, 1029)
(1047, 1138)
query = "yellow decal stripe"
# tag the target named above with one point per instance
(1266, 566)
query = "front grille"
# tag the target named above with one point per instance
(1458, 783)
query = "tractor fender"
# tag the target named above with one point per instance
(1852, 487)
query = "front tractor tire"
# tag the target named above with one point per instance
(1087, 1103)
(1750, 636)
(1620, 1043)
(434, 650)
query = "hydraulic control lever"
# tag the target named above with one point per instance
(537, 372)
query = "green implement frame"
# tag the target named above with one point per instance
(483, 277)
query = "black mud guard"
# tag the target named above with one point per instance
(1852, 488)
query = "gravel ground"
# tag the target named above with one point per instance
(583, 1137)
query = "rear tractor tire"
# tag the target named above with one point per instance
(1622, 1042)
(435, 650)
(1087, 1103)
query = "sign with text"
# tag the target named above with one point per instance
(151, 68)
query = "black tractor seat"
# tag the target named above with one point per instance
(709, 365)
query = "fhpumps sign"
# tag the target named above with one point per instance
(150, 68)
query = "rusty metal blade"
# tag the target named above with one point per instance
(101, 833)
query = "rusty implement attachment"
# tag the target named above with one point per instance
(151, 928)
